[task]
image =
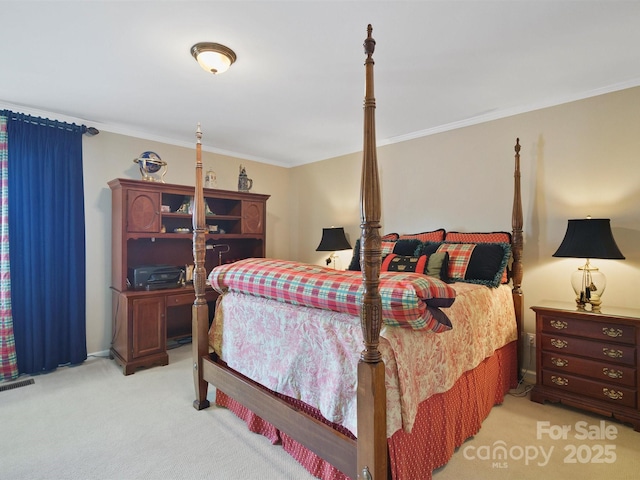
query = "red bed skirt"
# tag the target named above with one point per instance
(443, 423)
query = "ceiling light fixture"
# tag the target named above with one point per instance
(213, 57)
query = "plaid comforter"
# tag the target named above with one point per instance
(409, 300)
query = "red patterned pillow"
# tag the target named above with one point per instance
(432, 236)
(387, 248)
(478, 237)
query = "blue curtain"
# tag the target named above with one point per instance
(47, 242)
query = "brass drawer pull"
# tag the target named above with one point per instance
(559, 362)
(558, 324)
(612, 332)
(560, 380)
(612, 394)
(610, 352)
(611, 373)
(559, 343)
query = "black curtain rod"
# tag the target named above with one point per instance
(46, 122)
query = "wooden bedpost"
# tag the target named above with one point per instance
(372, 402)
(517, 247)
(200, 309)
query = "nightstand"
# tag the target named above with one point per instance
(589, 360)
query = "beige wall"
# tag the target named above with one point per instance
(578, 159)
(108, 156)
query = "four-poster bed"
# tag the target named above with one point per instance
(381, 415)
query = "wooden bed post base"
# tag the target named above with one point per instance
(518, 304)
(199, 348)
(372, 421)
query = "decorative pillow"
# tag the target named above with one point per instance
(477, 237)
(400, 247)
(482, 263)
(481, 237)
(387, 248)
(438, 266)
(432, 236)
(406, 247)
(390, 237)
(435, 265)
(402, 263)
(428, 248)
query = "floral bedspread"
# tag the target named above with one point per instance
(312, 354)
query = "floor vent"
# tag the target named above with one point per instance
(22, 383)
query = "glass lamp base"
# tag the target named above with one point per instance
(588, 283)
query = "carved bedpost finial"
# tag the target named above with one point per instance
(198, 134)
(369, 43)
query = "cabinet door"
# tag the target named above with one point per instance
(148, 323)
(252, 217)
(143, 211)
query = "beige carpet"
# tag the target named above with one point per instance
(92, 422)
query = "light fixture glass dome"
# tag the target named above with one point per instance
(213, 57)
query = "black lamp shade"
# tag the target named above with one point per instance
(333, 239)
(589, 238)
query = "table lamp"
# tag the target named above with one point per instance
(589, 238)
(333, 239)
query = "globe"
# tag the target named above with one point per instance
(152, 167)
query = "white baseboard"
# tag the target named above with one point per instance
(102, 353)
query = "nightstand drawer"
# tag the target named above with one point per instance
(589, 348)
(603, 372)
(589, 329)
(613, 394)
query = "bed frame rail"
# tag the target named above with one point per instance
(333, 446)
